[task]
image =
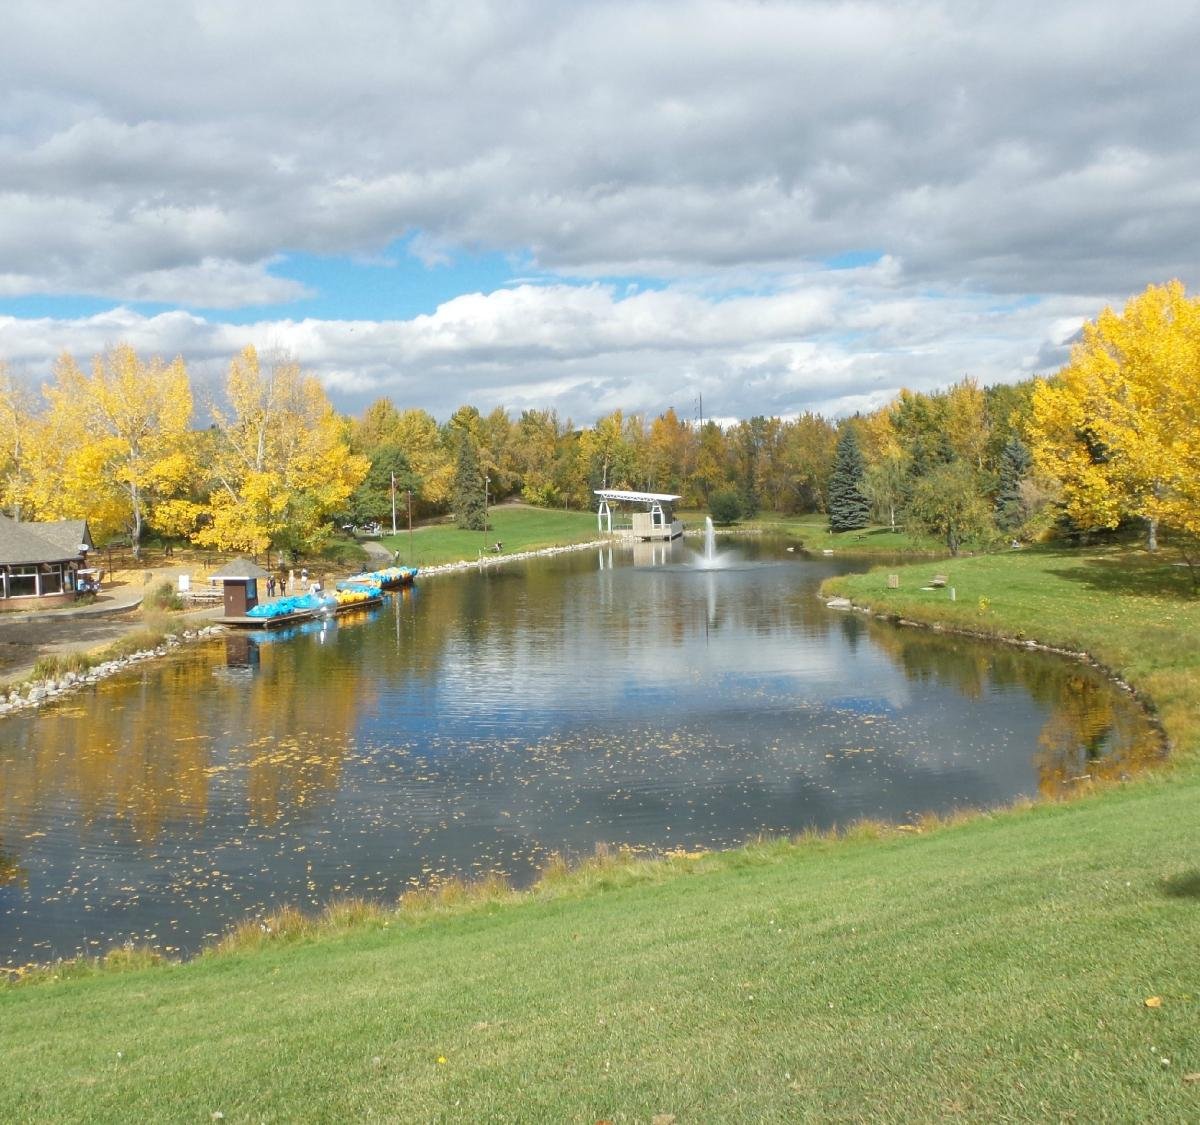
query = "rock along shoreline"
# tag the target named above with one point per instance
(33, 693)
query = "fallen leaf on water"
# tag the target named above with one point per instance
(1153, 1001)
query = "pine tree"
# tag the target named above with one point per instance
(849, 506)
(1015, 462)
(469, 503)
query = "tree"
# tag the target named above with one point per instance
(887, 483)
(1117, 425)
(725, 507)
(808, 455)
(282, 463)
(388, 480)
(119, 440)
(1015, 463)
(849, 505)
(469, 502)
(948, 502)
(710, 469)
(18, 426)
(535, 449)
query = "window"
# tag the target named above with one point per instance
(51, 578)
(22, 582)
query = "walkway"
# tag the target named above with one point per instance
(25, 637)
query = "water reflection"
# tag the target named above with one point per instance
(478, 722)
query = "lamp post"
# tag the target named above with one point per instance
(486, 481)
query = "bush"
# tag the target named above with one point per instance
(725, 507)
(164, 596)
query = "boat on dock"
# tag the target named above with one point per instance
(389, 578)
(359, 591)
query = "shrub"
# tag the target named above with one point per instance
(163, 595)
(725, 507)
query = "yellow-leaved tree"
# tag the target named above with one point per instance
(17, 424)
(281, 464)
(1119, 426)
(113, 444)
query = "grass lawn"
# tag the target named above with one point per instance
(1038, 964)
(517, 527)
(813, 531)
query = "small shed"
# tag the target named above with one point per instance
(239, 581)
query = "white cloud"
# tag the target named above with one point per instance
(835, 342)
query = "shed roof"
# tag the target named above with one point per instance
(68, 534)
(23, 543)
(238, 568)
(636, 497)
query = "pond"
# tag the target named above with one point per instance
(486, 720)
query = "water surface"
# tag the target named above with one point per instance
(485, 720)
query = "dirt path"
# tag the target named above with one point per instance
(26, 637)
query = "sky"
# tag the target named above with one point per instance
(769, 207)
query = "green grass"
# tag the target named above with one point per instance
(813, 531)
(993, 968)
(1133, 612)
(519, 528)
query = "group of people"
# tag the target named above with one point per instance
(280, 585)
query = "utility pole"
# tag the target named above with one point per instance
(393, 503)
(486, 481)
(410, 542)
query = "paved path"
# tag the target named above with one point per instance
(25, 637)
(377, 552)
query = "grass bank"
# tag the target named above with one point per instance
(515, 526)
(1132, 612)
(1038, 964)
(812, 531)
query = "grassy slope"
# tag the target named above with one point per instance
(519, 528)
(989, 970)
(813, 531)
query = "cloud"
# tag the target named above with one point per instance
(712, 147)
(1015, 147)
(828, 341)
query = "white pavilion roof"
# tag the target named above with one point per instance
(636, 497)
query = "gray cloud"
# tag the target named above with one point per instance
(171, 153)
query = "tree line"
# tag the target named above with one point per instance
(1112, 437)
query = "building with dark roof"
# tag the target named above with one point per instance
(40, 562)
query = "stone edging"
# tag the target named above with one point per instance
(34, 693)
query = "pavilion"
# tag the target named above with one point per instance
(40, 562)
(656, 522)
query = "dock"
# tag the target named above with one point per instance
(242, 622)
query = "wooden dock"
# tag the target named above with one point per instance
(269, 622)
(298, 615)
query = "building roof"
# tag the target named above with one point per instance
(68, 534)
(238, 568)
(636, 497)
(24, 543)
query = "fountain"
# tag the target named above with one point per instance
(710, 560)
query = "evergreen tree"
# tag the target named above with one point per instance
(849, 505)
(1015, 462)
(469, 503)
